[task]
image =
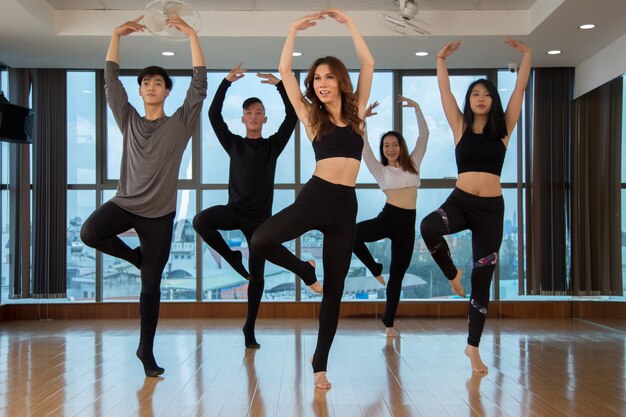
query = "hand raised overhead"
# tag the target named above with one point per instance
(129, 27)
(236, 73)
(369, 111)
(268, 78)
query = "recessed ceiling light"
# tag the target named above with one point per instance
(554, 52)
(168, 53)
(297, 54)
(421, 53)
(587, 26)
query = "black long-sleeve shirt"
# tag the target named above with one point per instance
(252, 161)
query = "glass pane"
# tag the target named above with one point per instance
(114, 136)
(506, 84)
(179, 277)
(508, 262)
(221, 282)
(423, 265)
(81, 128)
(215, 161)
(5, 251)
(439, 160)
(81, 259)
(121, 280)
(4, 160)
(4, 82)
(382, 91)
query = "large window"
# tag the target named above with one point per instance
(195, 271)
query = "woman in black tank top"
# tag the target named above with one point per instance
(332, 114)
(474, 204)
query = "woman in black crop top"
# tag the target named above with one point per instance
(481, 134)
(332, 115)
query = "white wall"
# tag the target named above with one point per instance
(601, 67)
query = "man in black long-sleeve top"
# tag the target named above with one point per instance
(250, 185)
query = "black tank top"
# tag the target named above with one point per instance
(476, 152)
(339, 142)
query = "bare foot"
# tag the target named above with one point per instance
(320, 381)
(380, 279)
(316, 287)
(474, 356)
(391, 332)
(456, 285)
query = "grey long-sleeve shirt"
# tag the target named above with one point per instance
(152, 150)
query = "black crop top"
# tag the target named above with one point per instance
(478, 153)
(339, 142)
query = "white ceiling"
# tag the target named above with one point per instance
(75, 33)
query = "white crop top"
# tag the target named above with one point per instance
(391, 178)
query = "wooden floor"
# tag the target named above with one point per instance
(537, 368)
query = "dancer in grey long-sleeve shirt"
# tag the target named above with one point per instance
(153, 146)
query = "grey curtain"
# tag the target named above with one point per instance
(596, 178)
(547, 176)
(19, 193)
(49, 182)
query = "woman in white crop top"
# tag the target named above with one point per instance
(397, 174)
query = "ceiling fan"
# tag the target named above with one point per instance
(404, 21)
(158, 10)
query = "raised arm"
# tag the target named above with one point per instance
(132, 26)
(222, 132)
(514, 107)
(116, 96)
(373, 165)
(450, 106)
(281, 137)
(197, 57)
(366, 73)
(286, 63)
(422, 139)
(196, 93)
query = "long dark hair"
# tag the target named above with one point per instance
(404, 160)
(318, 116)
(496, 123)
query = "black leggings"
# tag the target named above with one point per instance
(208, 223)
(331, 209)
(100, 231)
(398, 225)
(484, 217)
